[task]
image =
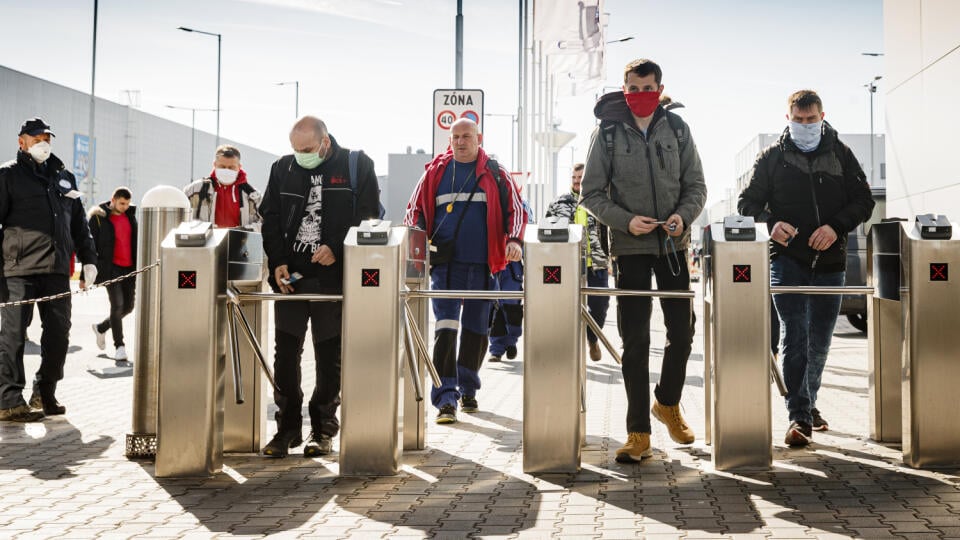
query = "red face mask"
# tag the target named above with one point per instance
(642, 104)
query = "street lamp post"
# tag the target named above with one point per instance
(872, 88)
(219, 40)
(193, 134)
(296, 96)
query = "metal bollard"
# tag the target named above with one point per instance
(161, 210)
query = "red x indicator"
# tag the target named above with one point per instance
(551, 275)
(370, 278)
(186, 279)
(741, 273)
(938, 272)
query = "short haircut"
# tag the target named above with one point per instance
(643, 67)
(228, 151)
(804, 99)
(122, 193)
(578, 167)
(311, 122)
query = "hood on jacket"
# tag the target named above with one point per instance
(613, 106)
(103, 210)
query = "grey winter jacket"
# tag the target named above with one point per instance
(648, 176)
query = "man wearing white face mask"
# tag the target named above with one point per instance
(225, 198)
(43, 224)
(815, 192)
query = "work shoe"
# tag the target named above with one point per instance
(281, 443)
(494, 358)
(101, 338)
(447, 414)
(121, 355)
(469, 404)
(511, 352)
(670, 415)
(50, 405)
(318, 445)
(594, 351)
(799, 434)
(819, 424)
(637, 448)
(20, 413)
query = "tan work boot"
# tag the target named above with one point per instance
(637, 448)
(595, 351)
(680, 432)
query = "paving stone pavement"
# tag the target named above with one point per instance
(67, 477)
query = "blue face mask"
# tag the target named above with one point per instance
(806, 136)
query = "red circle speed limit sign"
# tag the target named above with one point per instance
(446, 119)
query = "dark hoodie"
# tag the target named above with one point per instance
(825, 186)
(649, 175)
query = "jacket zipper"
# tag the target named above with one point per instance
(660, 156)
(816, 215)
(653, 188)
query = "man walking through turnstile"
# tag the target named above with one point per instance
(815, 192)
(310, 202)
(474, 219)
(595, 252)
(644, 180)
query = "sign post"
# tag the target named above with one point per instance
(450, 106)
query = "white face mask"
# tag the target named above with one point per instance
(806, 136)
(40, 151)
(227, 176)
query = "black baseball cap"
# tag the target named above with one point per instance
(34, 127)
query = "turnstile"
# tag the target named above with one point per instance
(885, 332)
(737, 359)
(244, 424)
(930, 295)
(193, 269)
(371, 387)
(553, 343)
(417, 278)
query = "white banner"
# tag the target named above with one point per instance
(567, 25)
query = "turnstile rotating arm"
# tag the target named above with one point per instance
(234, 299)
(421, 345)
(585, 313)
(411, 350)
(235, 351)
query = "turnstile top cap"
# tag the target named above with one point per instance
(164, 197)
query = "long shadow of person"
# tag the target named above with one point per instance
(50, 449)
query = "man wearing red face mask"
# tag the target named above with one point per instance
(644, 180)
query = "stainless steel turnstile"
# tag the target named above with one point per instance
(737, 360)
(191, 356)
(553, 343)
(931, 371)
(244, 424)
(414, 406)
(885, 332)
(371, 386)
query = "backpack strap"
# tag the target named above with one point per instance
(679, 129)
(494, 167)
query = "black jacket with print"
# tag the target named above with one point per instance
(807, 190)
(284, 209)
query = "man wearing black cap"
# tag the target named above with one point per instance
(43, 224)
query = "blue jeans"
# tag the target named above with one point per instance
(597, 305)
(806, 328)
(507, 326)
(459, 368)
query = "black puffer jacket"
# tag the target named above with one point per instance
(42, 217)
(807, 190)
(101, 228)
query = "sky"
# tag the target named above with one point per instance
(369, 67)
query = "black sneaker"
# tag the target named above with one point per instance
(819, 424)
(447, 414)
(318, 445)
(494, 358)
(511, 352)
(50, 406)
(799, 434)
(282, 442)
(469, 404)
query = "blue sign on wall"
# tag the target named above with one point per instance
(84, 162)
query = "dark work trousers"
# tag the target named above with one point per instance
(634, 320)
(291, 328)
(121, 295)
(55, 317)
(597, 304)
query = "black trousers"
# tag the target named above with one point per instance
(121, 295)
(635, 272)
(291, 328)
(55, 317)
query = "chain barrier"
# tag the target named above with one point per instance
(79, 291)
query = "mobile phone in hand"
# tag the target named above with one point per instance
(294, 277)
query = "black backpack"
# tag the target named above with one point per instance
(352, 164)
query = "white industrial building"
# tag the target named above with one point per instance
(133, 148)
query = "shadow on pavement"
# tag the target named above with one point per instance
(49, 449)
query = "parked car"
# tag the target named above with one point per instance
(854, 307)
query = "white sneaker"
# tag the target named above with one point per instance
(101, 338)
(121, 353)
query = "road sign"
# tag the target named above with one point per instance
(448, 107)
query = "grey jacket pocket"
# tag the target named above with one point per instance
(27, 252)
